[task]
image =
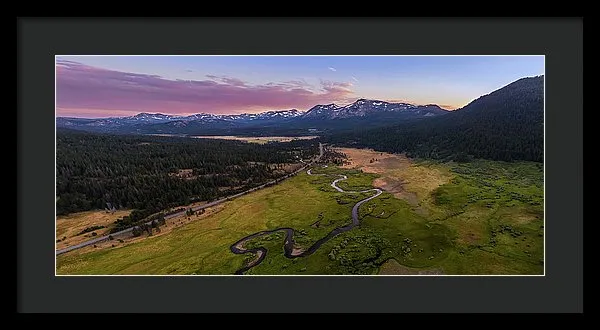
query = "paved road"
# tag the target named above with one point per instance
(288, 246)
(167, 217)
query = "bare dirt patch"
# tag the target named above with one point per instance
(297, 251)
(186, 173)
(240, 245)
(399, 175)
(396, 187)
(371, 161)
(392, 267)
(69, 226)
(257, 257)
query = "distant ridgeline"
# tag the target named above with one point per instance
(152, 173)
(320, 119)
(507, 124)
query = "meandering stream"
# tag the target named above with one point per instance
(289, 252)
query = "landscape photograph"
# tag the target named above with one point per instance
(300, 165)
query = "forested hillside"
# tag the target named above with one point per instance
(506, 124)
(151, 173)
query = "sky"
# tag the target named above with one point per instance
(114, 86)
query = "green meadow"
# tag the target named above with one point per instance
(487, 220)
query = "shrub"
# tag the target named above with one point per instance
(89, 229)
(136, 231)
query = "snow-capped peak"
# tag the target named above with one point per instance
(360, 108)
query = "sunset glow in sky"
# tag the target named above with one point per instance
(107, 86)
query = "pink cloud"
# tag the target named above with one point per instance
(92, 91)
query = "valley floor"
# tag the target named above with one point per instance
(481, 218)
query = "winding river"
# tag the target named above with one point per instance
(288, 246)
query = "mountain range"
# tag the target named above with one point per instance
(506, 124)
(319, 117)
(367, 108)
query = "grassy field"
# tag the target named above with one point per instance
(69, 228)
(202, 247)
(474, 218)
(496, 211)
